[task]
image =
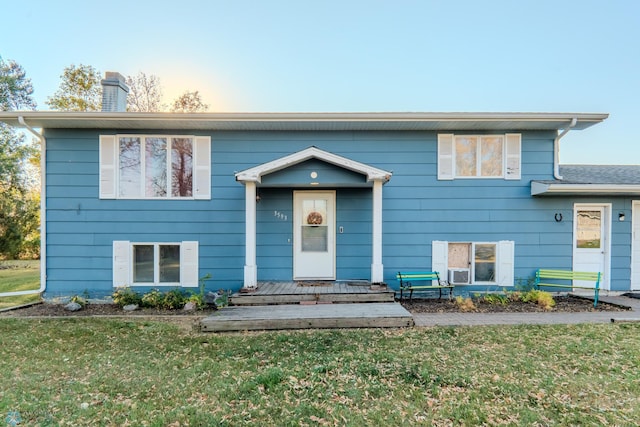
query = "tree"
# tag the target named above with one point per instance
(189, 102)
(79, 90)
(15, 87)
(19, 198)
(145, 93)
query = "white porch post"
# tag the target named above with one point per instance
(250, 268)
(377, 270)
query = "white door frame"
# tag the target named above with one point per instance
(325, 264)
(635, 246)
(606, 237)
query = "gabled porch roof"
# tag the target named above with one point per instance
(256, 173)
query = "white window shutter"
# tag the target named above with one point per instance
(202, 168)
(108, 161)
(506, 255)
(121, 263)
(440, 258)
(513, 156)
(445, 156)
(189, 264)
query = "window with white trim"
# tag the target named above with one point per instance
(155, 167)
(155, 264)
(474, 263)
(479, 156)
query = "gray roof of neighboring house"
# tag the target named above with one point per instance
(604, 180)
(600, 174)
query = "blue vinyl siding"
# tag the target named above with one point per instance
(417, 209)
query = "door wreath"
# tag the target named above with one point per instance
(314, 218)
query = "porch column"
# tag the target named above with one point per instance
(250, 267)
(377, 270)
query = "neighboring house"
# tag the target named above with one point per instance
(159, 199)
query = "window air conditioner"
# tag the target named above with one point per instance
(459, 276)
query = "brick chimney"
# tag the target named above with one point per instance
(114, 92)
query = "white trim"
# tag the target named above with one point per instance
(108, 148)
(256, 173)
(200, 167)
(305, 121)
(472, 261)
(542, 188)
(605, 281)
(447, 164)
(377, 268)
(440, 258)
(512, 151)
(299, 195)
(504, 263)
(635, 246)
(250, 267)
(201, 179)
(123, 261)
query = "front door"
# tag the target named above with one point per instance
(314, 235)
(591, 242)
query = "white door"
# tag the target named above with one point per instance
(591, 244)
(635, 246)
(314, 235)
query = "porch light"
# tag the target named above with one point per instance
(621, 216)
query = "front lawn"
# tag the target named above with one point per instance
(19, 276)
(108, 372)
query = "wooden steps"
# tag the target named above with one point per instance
(321, 292)
(289, 316)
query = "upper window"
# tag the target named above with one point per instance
(154, 167)
(478, 156)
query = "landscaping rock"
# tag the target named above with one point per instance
(211, 297)
(190, 306)
(73, 306)
(131, 307)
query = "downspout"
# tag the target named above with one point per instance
(556, 149)
(43, 213)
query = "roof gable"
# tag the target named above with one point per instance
(256, 173)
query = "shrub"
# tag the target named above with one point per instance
(542, 298)
(495, 299)
(79, 300)
(465, 304)
(125, 296)
(152, 299)
(198, 300)
(174, 299)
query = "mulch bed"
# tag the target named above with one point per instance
(563, 304)
(57, 310)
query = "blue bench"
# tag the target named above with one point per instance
(407, 280)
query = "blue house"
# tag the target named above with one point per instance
(159, 199)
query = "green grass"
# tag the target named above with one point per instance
(107, 372)
(19, 276)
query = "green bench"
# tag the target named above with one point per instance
(568, 275)
(407, 280)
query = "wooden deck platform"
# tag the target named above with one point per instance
(317, 291)
(373, 315)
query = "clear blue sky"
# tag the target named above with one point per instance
(369, 55)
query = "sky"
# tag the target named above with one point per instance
(356, 56)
